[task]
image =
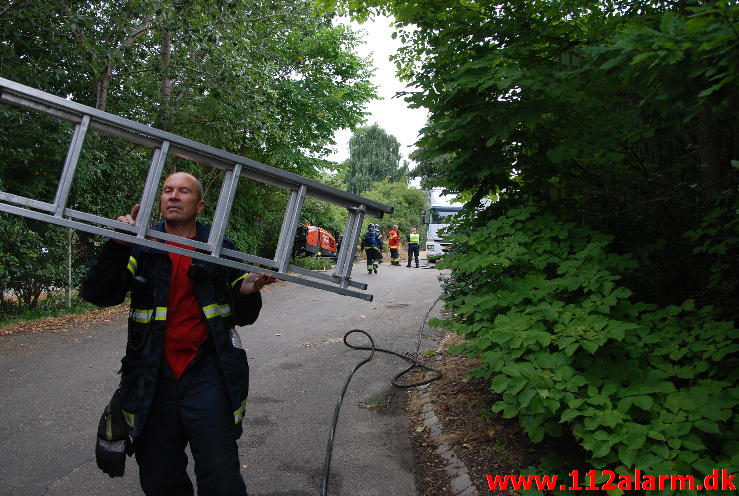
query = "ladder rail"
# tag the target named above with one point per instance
(27, 202)
(130, 238)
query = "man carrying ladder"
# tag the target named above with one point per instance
(185, 376)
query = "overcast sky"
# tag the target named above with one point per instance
(391, 114)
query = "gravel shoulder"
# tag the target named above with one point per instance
(483, 441)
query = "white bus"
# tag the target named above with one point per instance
(437, 217)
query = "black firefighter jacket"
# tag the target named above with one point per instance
(146, 272)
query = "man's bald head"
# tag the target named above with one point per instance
(198, 186)
(182, 200)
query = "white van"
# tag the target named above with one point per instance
(437, 217)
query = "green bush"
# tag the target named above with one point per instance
(567, 348)
(313, 263)
(33, 260)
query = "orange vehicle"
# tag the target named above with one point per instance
(314, 240)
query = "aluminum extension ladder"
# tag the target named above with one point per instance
(235, 166)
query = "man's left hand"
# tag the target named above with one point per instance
(255, 282)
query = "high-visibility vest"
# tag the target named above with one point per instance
(393, 240)
(414, 238)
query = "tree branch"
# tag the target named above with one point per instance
(12, 6)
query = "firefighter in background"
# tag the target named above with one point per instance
(393, 242)
(413, 241)
(372, 246)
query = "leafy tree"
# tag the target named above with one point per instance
(565, 104)
(271, 82)
(407, 203)
(617, 120)
(373, 156)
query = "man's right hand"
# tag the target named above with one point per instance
(129, 219)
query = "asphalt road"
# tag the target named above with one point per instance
(53, 386)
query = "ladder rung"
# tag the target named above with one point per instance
(289, 227)
(148, 197)
(70, 165)
(223, 209)
(344, 248)
(352, 231)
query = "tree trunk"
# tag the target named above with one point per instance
(162, 121)
(102, 90)
(714, 147)
(101, 100)
(68, 289)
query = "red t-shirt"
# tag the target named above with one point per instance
(186, 328)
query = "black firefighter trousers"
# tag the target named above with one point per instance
(412, 251)
(194, 409)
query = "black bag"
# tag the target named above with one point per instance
(113, 443)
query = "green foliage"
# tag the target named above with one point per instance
(313, 263)
(716, 240)
(407, 203)
(378, 401)
(33, 258)
(373, 156)
(588, 107)
(566, 345)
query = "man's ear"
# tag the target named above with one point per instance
(201, 206)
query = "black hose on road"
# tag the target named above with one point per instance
(414, 363)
